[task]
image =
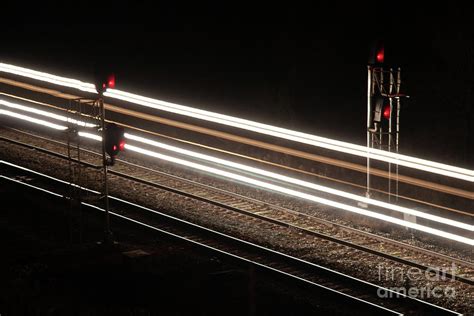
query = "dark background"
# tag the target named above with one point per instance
(298, 67)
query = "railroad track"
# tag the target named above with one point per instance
(337, 287)
(230, 202)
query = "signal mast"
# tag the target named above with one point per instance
(383, 111)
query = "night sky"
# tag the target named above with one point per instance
(299, 67)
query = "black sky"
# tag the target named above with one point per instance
(300, 67)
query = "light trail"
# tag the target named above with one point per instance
(254, 170)
(306, 184)
(293, 152)
(45, 113)
(90, 136)
(42, 76)
(407, 161)
(202, 114)
(265, 185)
(32, 119)
(357, 150)
(302, 195)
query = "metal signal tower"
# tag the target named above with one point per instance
(95, 116)
(383, 112)
(79, 112)
(102, 83)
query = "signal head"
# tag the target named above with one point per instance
(377, 54)
(111, 81)
(104, 81)
(380, 55)
(114, 139)
(387, 111)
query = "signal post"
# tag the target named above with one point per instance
(383, 111)
(112, 143)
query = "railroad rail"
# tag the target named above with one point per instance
(358, 294)
(396, 251)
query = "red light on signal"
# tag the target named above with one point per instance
(114, 139)
(386, 112)
(111, 81)
(380, 55)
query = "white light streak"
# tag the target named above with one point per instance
(306, 184)
(302, 195)
(279, 132)
(407, 161)
(90, 136)
(32, 119)
(42, 76)
(45, 113)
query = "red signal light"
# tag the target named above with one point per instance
(122, 145)
(102, 82)
(386, 112)
(111, 81)
(114, 139)
(380, 55)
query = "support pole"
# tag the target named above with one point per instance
(397, 135)
(390, 135)
(107, 232)
(369, 101)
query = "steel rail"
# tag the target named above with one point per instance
(275, 268)
(277, 221)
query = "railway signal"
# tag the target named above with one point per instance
(380, 55)
(102, 82)
(387, 112)
(114, 141)
(382, 109)
(377, 54)
(112, 136)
